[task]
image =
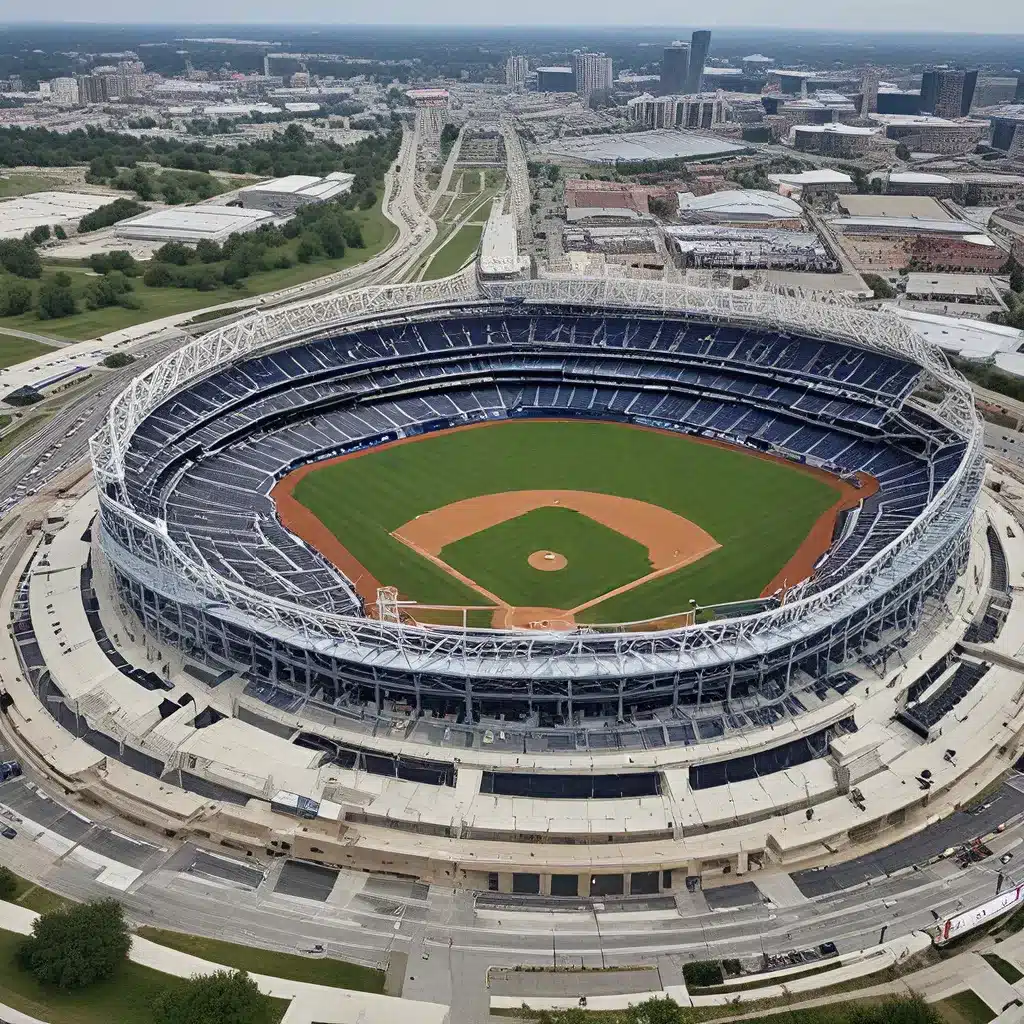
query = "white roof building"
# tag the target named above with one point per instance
(738, 206)
(286, 195)
(23, 213)
(192, 223)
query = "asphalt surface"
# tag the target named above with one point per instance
(306, 880)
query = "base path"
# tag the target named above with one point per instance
(671, 540)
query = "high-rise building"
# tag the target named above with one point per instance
(92, 89)
(675, 63)
(869, 93)
(64, 92)
(593, 73)
(700, 43)
(1019, 97)
(516, 70)
(947, 93)
(556, 79)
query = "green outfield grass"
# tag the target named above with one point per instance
(758, 510)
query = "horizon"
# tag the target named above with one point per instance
(991, 12)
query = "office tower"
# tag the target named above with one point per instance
(675, 64)
(516, 69)
(946, 93)
(1019, 98)
(92, 89)
(593, 73)
(869, 92)
(64, 92)
(700, 43)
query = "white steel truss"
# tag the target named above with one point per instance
(154, 558)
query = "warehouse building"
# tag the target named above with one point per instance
(20, 215)
(719, 245)
(192, 224)
(283, 196)
(741, 206)
(816, 181)
(925, 134)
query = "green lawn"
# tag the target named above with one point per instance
(497, 558)
(317, 971)
(758, 510)
(965, 1007)
(36, 898)
(451, 257)
(125, 999)
(378, 233)
(16, 350)
(19, 183)
(1003, 968)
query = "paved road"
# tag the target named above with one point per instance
(44, 339)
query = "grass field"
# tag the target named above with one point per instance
(126, 998)
(315, 970)
(454, 253)
(758, 510)
(16, 350)
(378, 233)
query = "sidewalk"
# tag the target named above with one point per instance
(321, 1003)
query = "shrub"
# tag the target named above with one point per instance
(702, 973)
(118, 359)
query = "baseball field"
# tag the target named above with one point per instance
(557, 522)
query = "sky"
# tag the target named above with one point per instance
(844, 15)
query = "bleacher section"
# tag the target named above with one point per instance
(924, 715)
(998, 604)
(206, 459)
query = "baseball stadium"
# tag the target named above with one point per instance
(471, 579)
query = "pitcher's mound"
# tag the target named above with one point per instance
(547, 561)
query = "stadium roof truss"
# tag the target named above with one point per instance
(533, 654)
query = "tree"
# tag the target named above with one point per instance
(118, 359)
(40, 233)
(173, 252)
(880, 288)
(1016, 272)
(15, 298)
(19, 257)
(207, 251)
(112, 289)
(55, 298)
(60, 233)
(226, 997)
(902, 151)
(8, 883)
(449, 133)
(76, 945)
(118, 210)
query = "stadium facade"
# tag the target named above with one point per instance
(189, 452)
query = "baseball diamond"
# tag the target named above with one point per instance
(644, 517)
